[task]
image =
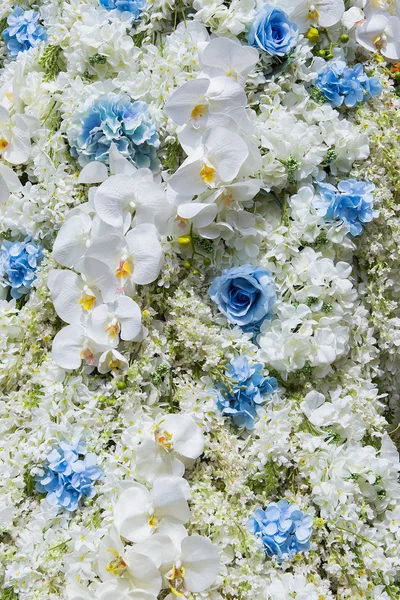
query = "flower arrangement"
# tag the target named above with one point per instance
(199, 269)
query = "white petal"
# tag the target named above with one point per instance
(19, 149)
(152, 461)
(100, 277)
(142, 572)
(187, 179)
(226, 151)
(99, 320)
(119, 165)
(330, 12)
(67, 289)
(93, 172)
(129, 316)
(150, 200)
(233, 58)
(10, 178)
(188, 439)
(147, 253)
(67, 347)
(169, 500)
(201, 561)
(201, 214)
(70, 244)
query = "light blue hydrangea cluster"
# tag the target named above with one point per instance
(351, 202)
(69, 475)
(18, 264)
(23, 32)
(112, 118)
(134, 7)
(272, 31)
(246, 389)
(245, 295)
(283, 529)
(347, 85)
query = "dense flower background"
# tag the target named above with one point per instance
(199, 292)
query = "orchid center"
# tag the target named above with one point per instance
(114, 364)
(10, 96)
(380, 42)
(199, 111)
(207, 173)
(124, 269)
(113, 328)
(227, 198)
(163, 438)
(313, 13)
(153, 522)
(176, 580)
(182, 223)
(87, 355)
(3, 144)
(87, 300)
(117, 566)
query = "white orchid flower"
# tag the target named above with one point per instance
(380, 32)
(196, 101)
(120, 197)
(97, 172)
(224, 56)
(177, 440)
(75, 296)
(216, 161)
(192, 561)
(135, 258)
(121, 590)
(132, 565)
(352, 17)
(138, 512)
(112, 360)
(72, 345)
(121, 319)
(9, 182)
(306, 13)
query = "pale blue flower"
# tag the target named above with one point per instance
(134, 7)
(69, 475)
(283, 529)
(245, 295)
(347, 85)
(351, 202)
(18, 264)
(272, 31)
(112, 118)
(247, 389)
(23, 31)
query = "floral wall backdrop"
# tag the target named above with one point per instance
(199, 299)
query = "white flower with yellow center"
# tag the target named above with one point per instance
(121, 319)
(176, 442)
(114, 361)
(73, 239)
(380, 32)
(216, 161)
(138, 512)
(72, 345)
(224, 56)
(306, 13)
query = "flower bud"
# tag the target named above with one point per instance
(121, 385)
(344, 38)
(187, 264)
(184, 240)
(313, 34)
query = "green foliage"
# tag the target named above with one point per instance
(8, 594)
(52, 61)
(319, 243)
(173, 156)
(97, 59)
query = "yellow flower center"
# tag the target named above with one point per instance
(114, 364)
(87, 302)
(163, 438)
(113, 329)
(116, 565)
(207, 173)
(3, 144)
(199, 111)
(153, 522)
(176, 580)
(313, 14)
(87, 355)
(379, 42)
(123, 269)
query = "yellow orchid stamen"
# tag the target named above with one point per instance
(10, 96)
(313, 14)
(123, 269)
(113, 329)
(114, 364)
(379, 42)
(116, 565)
(87, 302)
(3, 144)
(176, 580)
(163, 438)
(207, 173)
(153, 522)
(199, 111)
(87, 355)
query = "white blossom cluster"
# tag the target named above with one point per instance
(190, 329)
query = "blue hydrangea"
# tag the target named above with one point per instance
(347, 85)
(23, 31)
(245, 295)
(272, 31)
(283, 529)
(245, 389)
(134, 7)
(351, 202)
(114, 118)
(18, 264)
(68, 475)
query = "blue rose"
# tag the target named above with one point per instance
(272, 31)
(245, 295)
